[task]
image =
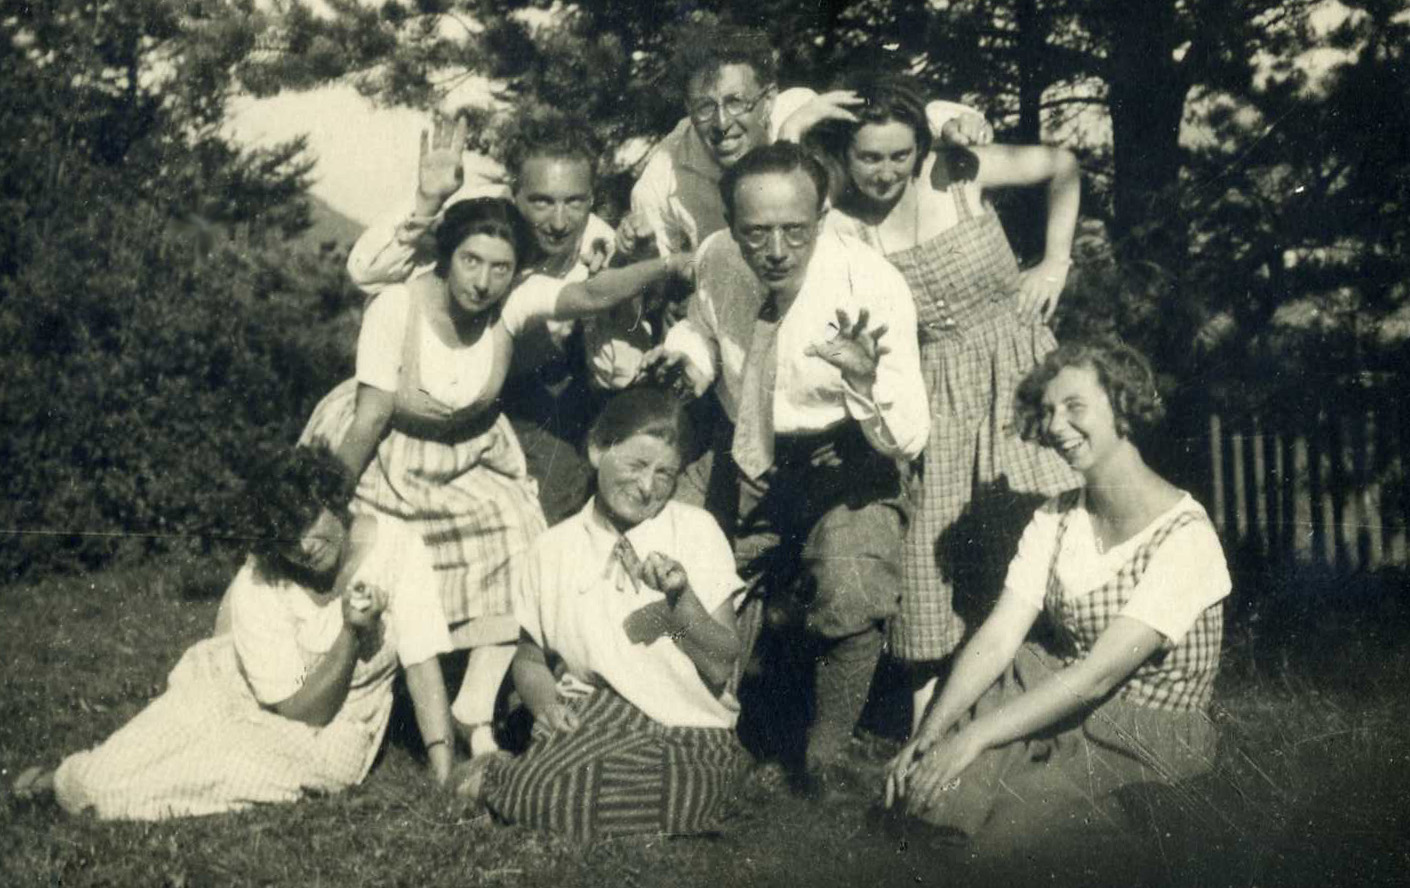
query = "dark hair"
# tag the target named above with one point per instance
(284, 496)
(551, 134)
(1123, 373)
(780, 157)
(887, 97)
(492, 216)
(705, 50)
(641, 411)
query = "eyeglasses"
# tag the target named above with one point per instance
(734, 107)
(795, 235)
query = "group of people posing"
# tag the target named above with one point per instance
(804, 390)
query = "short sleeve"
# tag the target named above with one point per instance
(527, 589)
(414, 611)
(1028, 572)
(535, 298)
(379, 344)
(710, 565)
(1185, 577)
(264, 638)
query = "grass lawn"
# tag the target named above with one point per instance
(1312, 787)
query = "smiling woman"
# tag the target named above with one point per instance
(1043, 746)
(630, 603)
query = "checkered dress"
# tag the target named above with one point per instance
(1178, 679)
(977, 482)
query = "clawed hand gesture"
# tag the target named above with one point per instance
(855, 350)
(440, 171)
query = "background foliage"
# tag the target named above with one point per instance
(1244, 218)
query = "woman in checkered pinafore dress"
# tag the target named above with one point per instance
(982, 326)
(1028, 745)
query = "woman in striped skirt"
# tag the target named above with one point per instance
(982, 325)
(1044, 747)
(627, 648)
(421, 429)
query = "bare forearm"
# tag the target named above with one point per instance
(533, 679)
(977, 666)
(1064, 202)
(373, 413)
(613, 286)
(326, 688)
(711, 645)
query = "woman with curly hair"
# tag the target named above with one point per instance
(1028, 742)
(296, 696)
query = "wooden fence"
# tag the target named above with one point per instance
(1328, 487)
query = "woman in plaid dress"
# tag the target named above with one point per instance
(1033, 745)
(296, 696)
(420, 424)
(982, 325)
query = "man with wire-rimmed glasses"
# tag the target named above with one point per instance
(811, 336)
(733, 103)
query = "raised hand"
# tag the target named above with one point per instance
(665, 574)
(855, 350)
(363, 603)
(634, 235)
(440, 171)
(834, 105)
(967, 131)
(670, 370)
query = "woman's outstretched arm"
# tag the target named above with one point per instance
(613, 286)
(977, 666)
(1006, 166)
(371, 416)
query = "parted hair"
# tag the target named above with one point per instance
(886, 97)
(780, 157)
(284, 496)
(492, 216)
(706, 49)
(646, 410)
(1123, 373)
(553, 134)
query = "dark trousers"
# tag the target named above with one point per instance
(818, 539)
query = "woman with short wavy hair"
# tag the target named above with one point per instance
(1031, 746)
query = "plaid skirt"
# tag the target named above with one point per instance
(619, 773)
(471, 500)
(977, 483)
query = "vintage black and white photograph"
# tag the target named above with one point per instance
(617, 443)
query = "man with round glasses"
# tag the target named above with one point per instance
(732, 104)
(811, 337)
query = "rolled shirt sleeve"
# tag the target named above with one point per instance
(394, 249)
(896, 418)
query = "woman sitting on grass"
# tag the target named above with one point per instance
(631, 602)
(296, 697)
(1026, 745)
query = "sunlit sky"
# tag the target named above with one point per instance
(367, 155)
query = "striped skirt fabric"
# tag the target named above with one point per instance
(619, 773)
(472, 501)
